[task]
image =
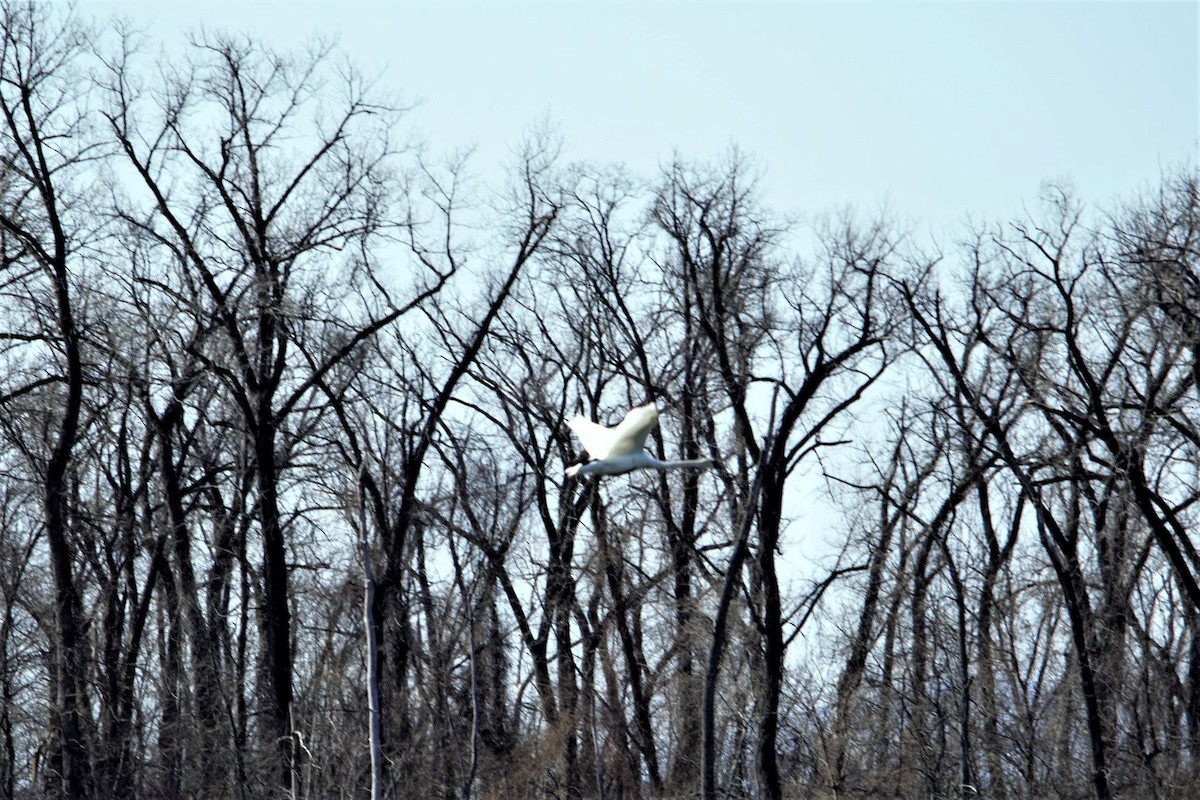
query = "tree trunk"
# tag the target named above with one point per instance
(276, 614)
(770, 521)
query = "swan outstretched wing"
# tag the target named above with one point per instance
(596, 438)
(629, 437)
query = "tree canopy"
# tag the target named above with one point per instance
(283, 413)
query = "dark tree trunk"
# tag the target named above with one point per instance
(770, 521)
(276, 616)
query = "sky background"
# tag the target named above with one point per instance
(941, 110)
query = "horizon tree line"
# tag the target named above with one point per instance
(282, 502)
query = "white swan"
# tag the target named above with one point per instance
(613, 451)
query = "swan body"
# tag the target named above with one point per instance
(615, 451)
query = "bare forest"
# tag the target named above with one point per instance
(283, 512)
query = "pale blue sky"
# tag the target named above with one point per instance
(942, 109)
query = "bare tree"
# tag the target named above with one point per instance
(1057, 318)
(260, 240)
(47, 148)
(838, 325)
(257, 358)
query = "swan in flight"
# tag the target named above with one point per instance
(614, 451)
